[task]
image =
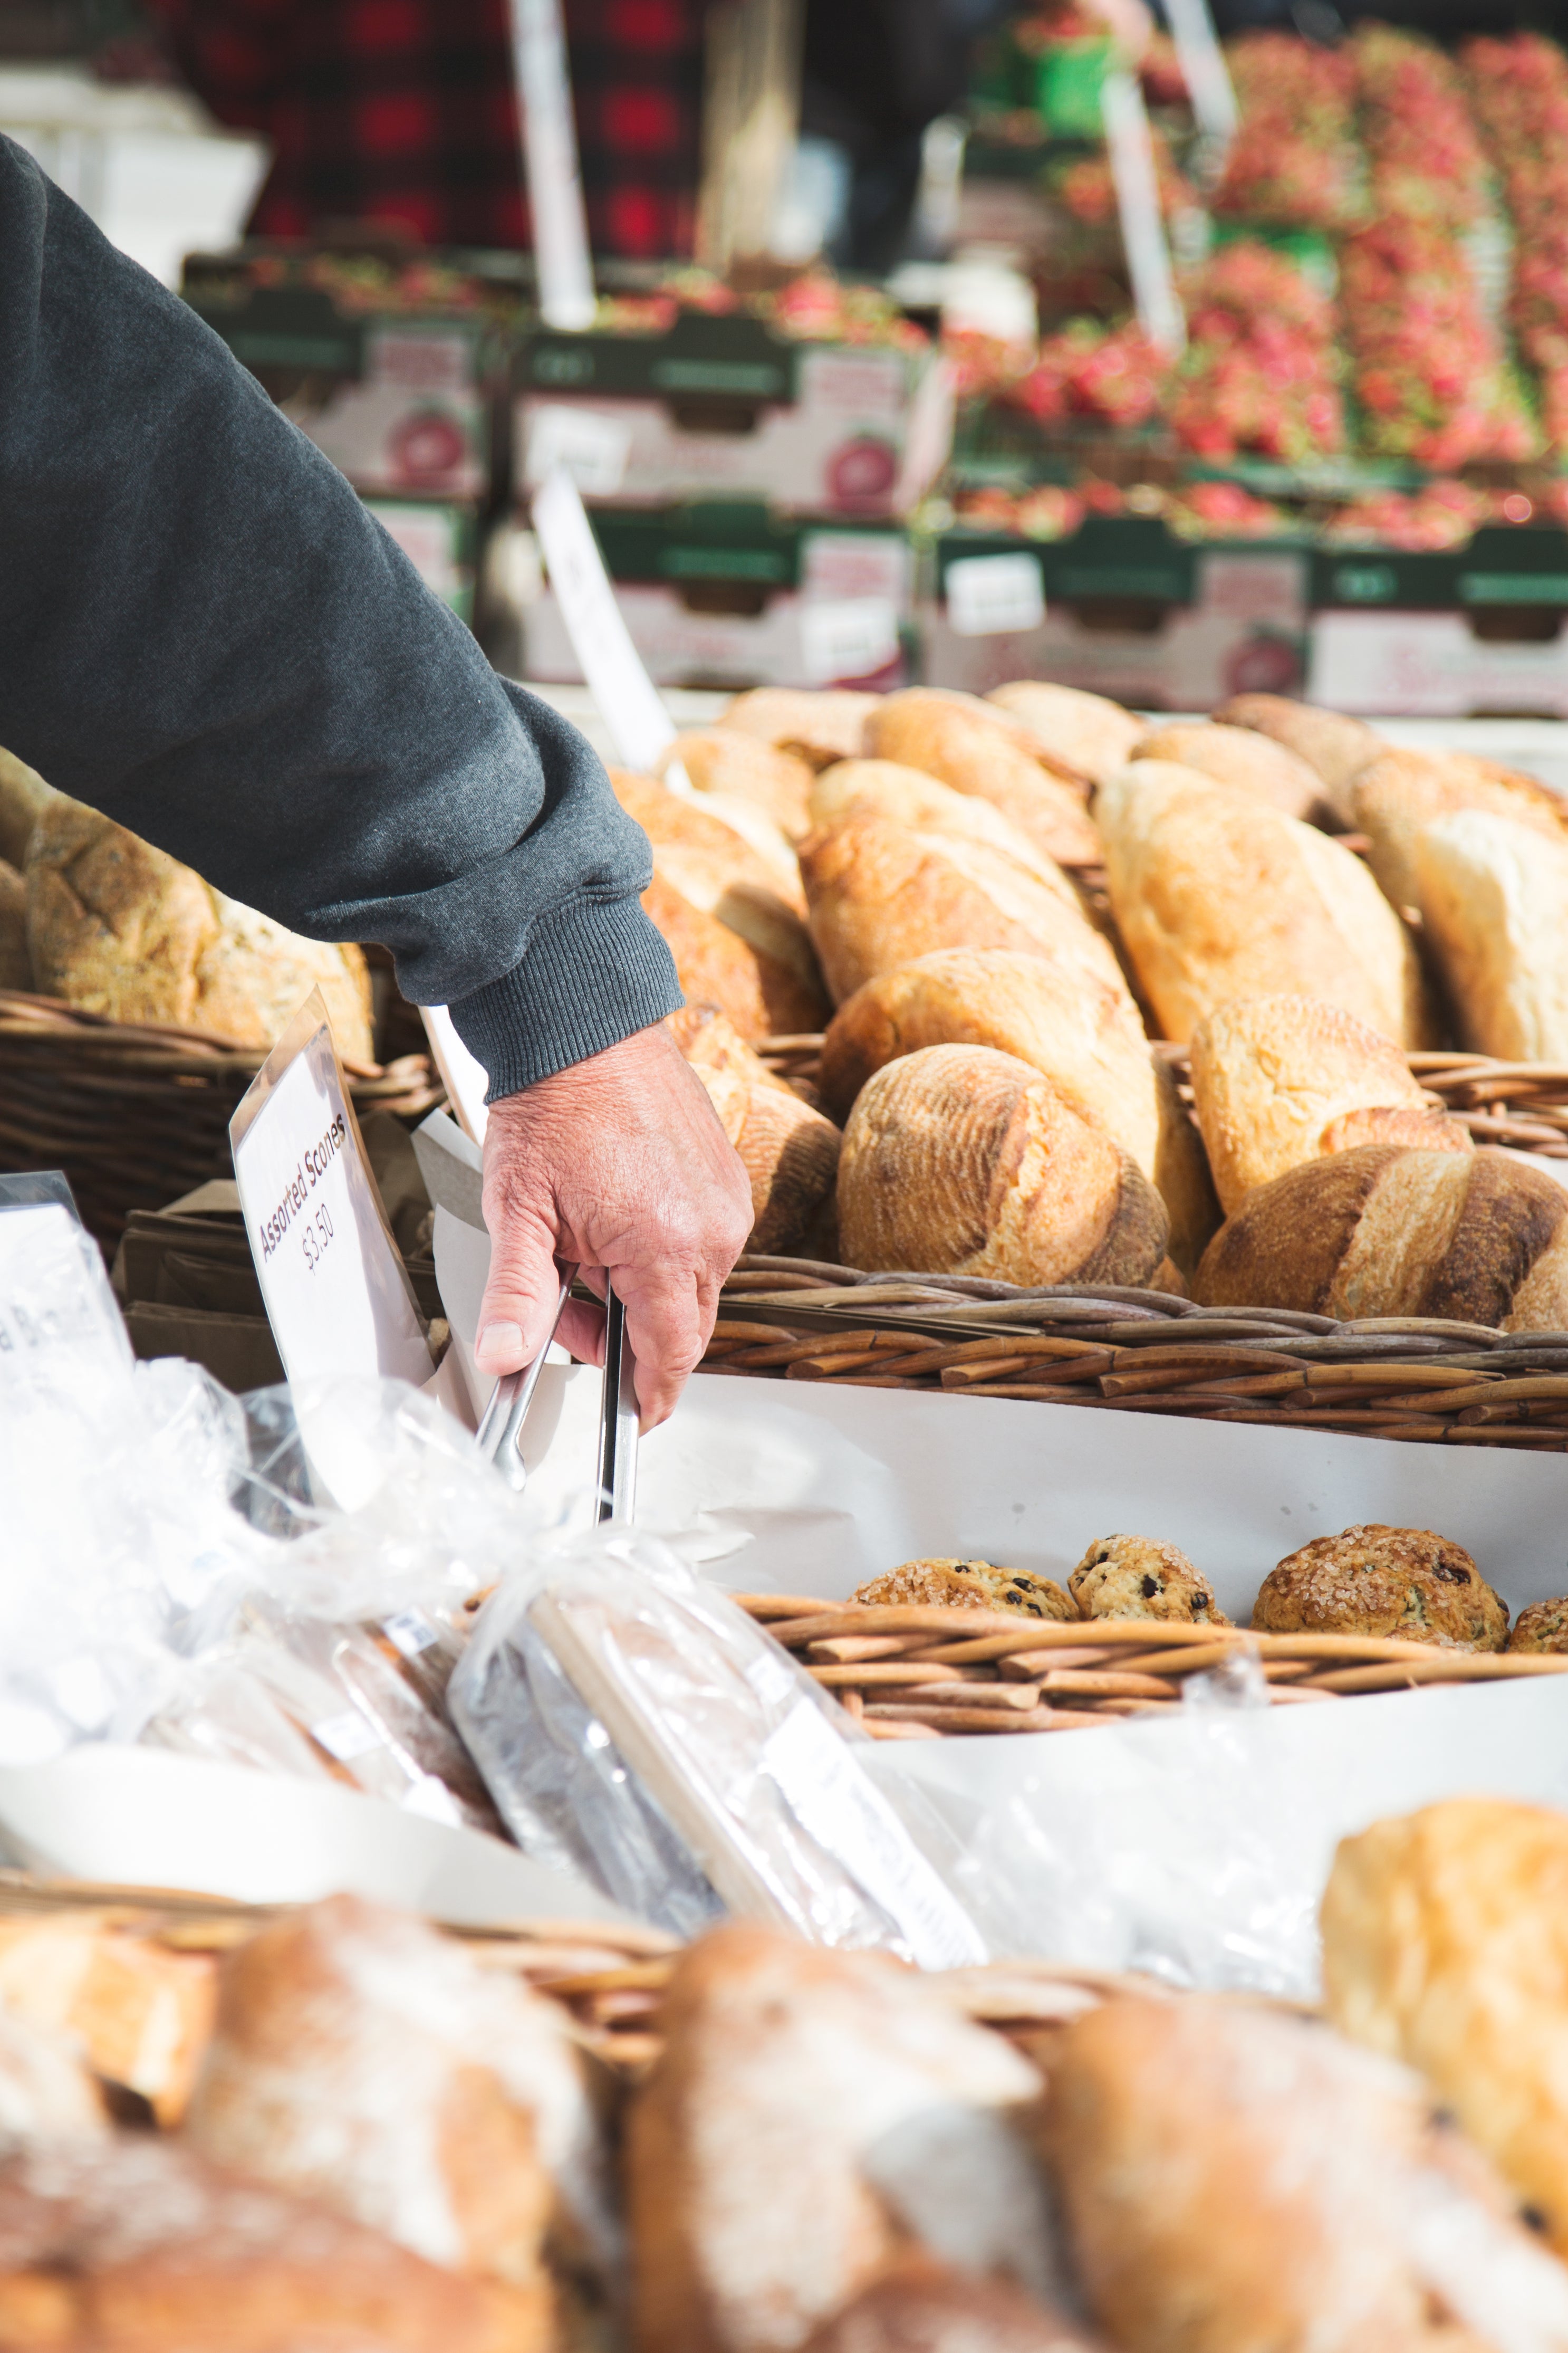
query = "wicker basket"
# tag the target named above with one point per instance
(914, 1673)
(138, 1113)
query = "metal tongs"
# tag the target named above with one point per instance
(501, 1430)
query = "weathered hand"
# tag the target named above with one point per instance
(619, 1164)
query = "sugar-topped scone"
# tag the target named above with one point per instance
(1543, 1626)
(1136, 1576)
(969, 1585)
(1408, 1584)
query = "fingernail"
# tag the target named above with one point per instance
(497, 1345)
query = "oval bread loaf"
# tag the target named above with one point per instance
(1477, 1238)
(818, 725)
(1493, 896)
(715, 966)
(959, 1160)
(726, 761)
(1085, 732)
(1401, 793)
(975, 748)
(1334, 745)
(790, 1153)
(1279, 1080)
(908, 797)
(121, 929)
(881, 894)
(1218, 898)
(1238, 755)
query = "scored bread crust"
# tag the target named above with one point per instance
(789, 1152)
(969, 1585)
(1138, 1577)
(975, 748)
(919, 2305)
(1405, 1583)
(957, 1159)
(1240, 757)
(1493, 894)
(817, 725)
(715, 966)
(1398, 796)
(1445, 1945)
(908, 797)
(1280, 1079)
(1477, 1237)
(881, 894)
(1219, 897)
(1334, 745)
(746, 769)
(1089, 734)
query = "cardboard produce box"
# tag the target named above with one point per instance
(1481, 629)
(731, 594)
(1121, 607)
(726, 404)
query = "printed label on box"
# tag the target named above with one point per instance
(593, 447)
(846, 563)
(857, 384)
(847, 638)
(989, 594)
(416, 361)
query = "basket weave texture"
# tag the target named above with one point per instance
(138, 1113)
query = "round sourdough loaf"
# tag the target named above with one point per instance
(1238, 755)
(976, 748)
(1219, 897)
(1334, 747)
(881, 894)
(1477, 1238)
(959, 1160)
(1279, 1080)
(1085, 732)
(121, 929)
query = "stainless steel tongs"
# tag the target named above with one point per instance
(500, 1430)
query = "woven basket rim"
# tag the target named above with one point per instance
(25, 1015)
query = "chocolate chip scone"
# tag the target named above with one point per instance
(1135, 1576)
(1406, 1583)
(1542, 1627)
(970, 1585)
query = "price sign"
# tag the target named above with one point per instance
(989, 594)
(337, 1293)
(1132, 171)
(629, 700)
(847, 638)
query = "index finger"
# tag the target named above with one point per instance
(671, 1314)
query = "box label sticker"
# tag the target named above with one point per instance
(419, 362)
(847, 638)
(859, 384)
(593, 447)
(988, 595)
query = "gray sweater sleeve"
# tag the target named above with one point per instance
(204, 635)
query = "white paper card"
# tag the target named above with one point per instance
(58, 1320)
(336, 1292)
(847, 638)
(990, 594)
(629, 700)
(593, 447)
(566, 297)
(465, 1080)
(1205, 70)
(1131, 155)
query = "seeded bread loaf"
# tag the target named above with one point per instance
(959, 1160)
(1280, 1079)
(1409, 1585)
(1137, 1577)
(1476, 1238)
(1220, 898)
(1254, 763)
(817, 726)
(741, 767)
(1335, 747)
(1085, 732)
(969, 1585)
(976, 748)
(1493, 895)
(1403, 792)
(119, 928)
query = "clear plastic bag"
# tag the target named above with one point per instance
(632, 1723)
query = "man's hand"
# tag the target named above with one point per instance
(619, 1164)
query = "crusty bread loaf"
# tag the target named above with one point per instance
(1335, 747)
(908, 797)
(1542, 1626)
(976, 748)
(24, 797)
(716, 966)
(812, 2114)
(1233, 2178)
(133, 2245)
(46, 2091)
(1084, 733)
(711, 1041)
(1138, 1577)
(139, 2013)
(1409, 1585)
(1445, 1945)
(1218, 897)
(718, 868)
(1477, 1238)
(16, 959)
(959, 1160)
(119, 928)
(1240, 757)
(969, 1585)
(739, 767)
(818, 726)
(882, 894)
(1279, 1080)
(789, 1152)
(366, 2063)
(1398, 796)
(1493, 896)
(920, 2306)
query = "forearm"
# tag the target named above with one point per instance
(203, 634)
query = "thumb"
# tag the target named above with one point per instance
(522, 1291)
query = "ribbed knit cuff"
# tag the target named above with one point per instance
(595, 971)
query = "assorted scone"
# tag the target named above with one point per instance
(1138, 1577)
(970, 1585)
(1404, 1584)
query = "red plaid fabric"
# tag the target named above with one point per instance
(405, 113)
